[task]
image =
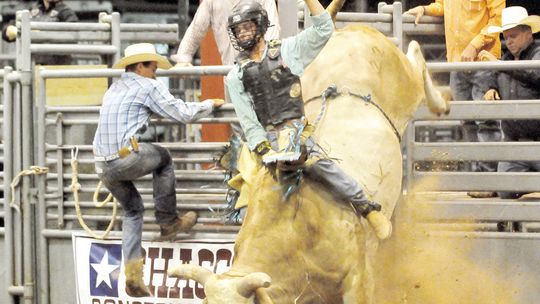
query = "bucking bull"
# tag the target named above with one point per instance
(312, 248)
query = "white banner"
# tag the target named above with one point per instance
(99, 270)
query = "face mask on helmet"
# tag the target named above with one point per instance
(247, 24)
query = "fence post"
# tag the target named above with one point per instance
(8, 176)
(42, 242)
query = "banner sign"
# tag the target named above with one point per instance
(100, 279)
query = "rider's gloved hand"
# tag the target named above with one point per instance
(263, 148)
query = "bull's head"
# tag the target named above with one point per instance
(226, 289)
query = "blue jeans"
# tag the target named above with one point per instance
(328, 173)
(118, 176)
(468, 86)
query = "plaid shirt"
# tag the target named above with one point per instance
(127, 107)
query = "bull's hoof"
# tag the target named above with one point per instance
(381, 224)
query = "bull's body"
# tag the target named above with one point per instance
(311, 246)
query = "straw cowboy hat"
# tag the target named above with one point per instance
(141, 52)
(513, 16)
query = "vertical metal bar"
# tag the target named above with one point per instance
(288, 17)
(115, 35)
(380, 6)
(183, 12)
(27, 159)
(8, 176)
(410, 140)
(17, 221)
(43, 246)
(397, 23)
(22, 50)
(361, 6)
(60, 168)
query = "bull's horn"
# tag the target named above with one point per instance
(192, 272)
(248, 284)
(334, 7)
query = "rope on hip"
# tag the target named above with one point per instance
(75, 186)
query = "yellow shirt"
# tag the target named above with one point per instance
(465, 22)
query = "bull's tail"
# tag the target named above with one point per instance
(433, 97)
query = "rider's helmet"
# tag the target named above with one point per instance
(244, 11)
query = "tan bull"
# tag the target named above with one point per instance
(312, 248)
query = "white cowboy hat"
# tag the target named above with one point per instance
(513, 16)
(141, 52)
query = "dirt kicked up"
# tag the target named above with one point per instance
(418, 266)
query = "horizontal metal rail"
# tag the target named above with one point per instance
(72, 48)
(476, 181)
(485, 110)
(491, 151)
(494, 210)
(199, 232)
(142, 190)
(94, 73)
(69, 26)
(483, 65)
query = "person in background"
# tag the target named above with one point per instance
(120, 158)
(45, 11)
(465, 24)
(517, 29)
(214, 13)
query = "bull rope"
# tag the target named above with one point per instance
(34, 170)
(75, 186)
(332, 91)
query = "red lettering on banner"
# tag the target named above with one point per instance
(166, 255)
(205, 256)
(223, 255)
(186, 256)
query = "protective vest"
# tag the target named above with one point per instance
(276, 92)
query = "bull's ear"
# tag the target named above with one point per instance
(248, 284)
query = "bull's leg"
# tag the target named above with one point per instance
(433, 97)
(334, 7)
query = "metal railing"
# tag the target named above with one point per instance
(459, 209)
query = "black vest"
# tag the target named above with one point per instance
(274, 89)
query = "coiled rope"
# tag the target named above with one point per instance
(75, 186)
(34, 170)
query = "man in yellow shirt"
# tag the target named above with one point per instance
(465, 25)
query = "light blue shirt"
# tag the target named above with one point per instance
(297, 52)
(128, 104)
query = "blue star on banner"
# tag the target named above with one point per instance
(105, 261)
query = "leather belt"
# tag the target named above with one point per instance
(122, 153)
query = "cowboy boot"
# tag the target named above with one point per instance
(371, 211)
(180, 224)
(135, 286)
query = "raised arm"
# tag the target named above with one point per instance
(194, 35)
(273, 32)
(315, 7)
